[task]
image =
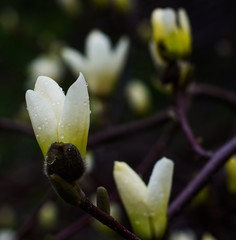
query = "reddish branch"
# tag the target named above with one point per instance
(15, 126)
(212, 91)
(115, 133)
(215, 163)
(186, 127)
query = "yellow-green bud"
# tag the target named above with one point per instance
(171, 39)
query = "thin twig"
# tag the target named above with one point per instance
(214, 164)
(212, 91)
(106, 219)
(157, 149)
(74, 228)
(185, 125)
(15, 126)
(115, 133)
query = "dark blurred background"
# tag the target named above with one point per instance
(29, 29)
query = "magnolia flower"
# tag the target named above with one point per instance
(146, 206)
(102, 65)
(171, 35)
(59, 118)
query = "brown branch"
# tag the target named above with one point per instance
(106, 219)
(157, 149)
(214, 164)
(15, 126)
(186, 127)
(73, 229)
(115, 133)
(212, 91)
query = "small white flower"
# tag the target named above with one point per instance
(171, 35)
(59, 118)
(102, 65)
(146, 206)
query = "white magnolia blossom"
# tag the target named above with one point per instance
(102, 65)
(146, 206)
(59, 118)
(171, 35)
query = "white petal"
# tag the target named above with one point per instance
(184, 21)
(48, 89)
(98, 46)
(43, 120)
(158, 193)
(120, 55)
(132, 191)
(75, 60)
(74, 124)
(159, 62)
(169, 20)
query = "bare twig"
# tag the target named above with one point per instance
(157, 149)
(73, 229)
(214, 164)
(185, 126)
(106, 219)
(128, 129)
(212, 91)
(15, 126)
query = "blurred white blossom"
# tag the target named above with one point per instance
(102, 65)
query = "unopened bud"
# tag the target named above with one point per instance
(64, 159)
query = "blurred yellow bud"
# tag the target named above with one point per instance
(72, 7)
(48, 215)
(208, 236)
(171, 38)
(183, 235)
(138, 96)
(146, 206)
(123, 6)
(230, 168)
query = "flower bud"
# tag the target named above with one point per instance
(171, 39)
(64, 159)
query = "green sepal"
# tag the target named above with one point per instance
(67, 191)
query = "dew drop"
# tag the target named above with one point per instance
(39, 128)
